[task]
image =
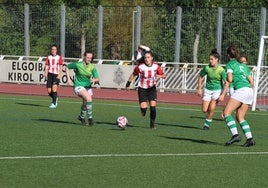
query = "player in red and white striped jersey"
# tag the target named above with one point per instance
(53, 70)
(148, 73)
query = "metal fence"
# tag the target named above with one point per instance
(177, 34)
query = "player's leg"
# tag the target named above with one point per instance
(152, 98)
(241, 112)
(143, 100)
(210, 113)
(231, 106)
(86, 95)
(207, 96)
(55, 83)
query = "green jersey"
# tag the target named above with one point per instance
(240, 72)
(83, 73)
(229, 63)
(215, 76)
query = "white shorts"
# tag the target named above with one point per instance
(211, 95)
(78, 89)
(243, 95)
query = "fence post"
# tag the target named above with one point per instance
(62, 30)
(138, 31)
(219, 30)
(100, 31)
(26, 30)
(178, 34)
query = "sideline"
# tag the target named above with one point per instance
(132, 155)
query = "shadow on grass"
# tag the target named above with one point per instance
(56, 121)
(29, 104)
(191, 140)
(203, 118)
(110, 123)
(179, 125)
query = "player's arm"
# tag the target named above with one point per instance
(251, 80)
(95, 79)
(146, 48)
(225, 90)
(199, 85)
(60, 68)
(46, 70)
(131, 77)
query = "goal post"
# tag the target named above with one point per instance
(260, 78)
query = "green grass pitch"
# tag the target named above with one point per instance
(42, 147)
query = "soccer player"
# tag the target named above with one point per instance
(240, 75)
(215, 89)
(86, 74)
(148, 73)
(53, 71)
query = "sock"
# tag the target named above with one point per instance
(230, 122)
(83, 112)
(89, 109)
(207, 122)
(54, 97)
(152, 113)
(50, 94)
(246, 129)
(143, 111)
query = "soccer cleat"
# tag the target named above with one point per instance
(235, 138)
(90, 122)
(82, 120)
(152, 126)
(249, 142)
(52, 106)
(205, 127)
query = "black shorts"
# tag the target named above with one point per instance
(146, 95)
(52, 80)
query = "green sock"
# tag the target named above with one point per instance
(208, 122)
(89, 109)
(83, 112)
(246, 129)
(230, 122)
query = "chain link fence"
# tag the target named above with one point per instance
(114, 32)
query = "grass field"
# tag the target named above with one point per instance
(42, 147)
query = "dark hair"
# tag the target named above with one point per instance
(215, 53)
(149, 52)
(232, 52)
(89, 52)
(54, 45)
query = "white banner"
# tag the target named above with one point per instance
(32, 72)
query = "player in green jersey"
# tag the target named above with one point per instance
(215, 89)
(240, 75)
(86, 74)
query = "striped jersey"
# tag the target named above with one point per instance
(147, 74)
(54, 63)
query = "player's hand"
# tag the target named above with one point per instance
(199, 92)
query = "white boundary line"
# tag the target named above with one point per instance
(131, 155)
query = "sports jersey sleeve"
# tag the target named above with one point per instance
(203, 71)
(72, 65)
(136, 70)
(159, 70)
(60, 60)
(47, 61)
(95, 73)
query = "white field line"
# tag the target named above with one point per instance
(124, 105)
(131, 155)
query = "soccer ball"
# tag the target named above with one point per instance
(122, 122)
